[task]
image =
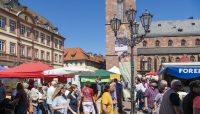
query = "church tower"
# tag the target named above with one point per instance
(116, 8)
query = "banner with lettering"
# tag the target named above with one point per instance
(184, 72)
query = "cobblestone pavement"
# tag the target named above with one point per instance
(127, 107)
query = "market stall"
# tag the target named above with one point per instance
(181, 70)
(26, 70)
(117, 72)
(185, 71)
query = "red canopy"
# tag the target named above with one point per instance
(26, 70)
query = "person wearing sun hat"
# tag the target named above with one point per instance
(59, 103)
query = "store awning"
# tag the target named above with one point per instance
(184, 72)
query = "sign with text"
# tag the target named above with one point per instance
(184, 72)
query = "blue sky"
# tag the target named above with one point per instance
(82, 22)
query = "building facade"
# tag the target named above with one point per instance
(167, 41)
(26, 36)
(77, 57)
(115, 8)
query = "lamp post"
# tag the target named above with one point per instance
(135, 38)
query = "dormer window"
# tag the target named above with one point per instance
(46, 25)
(174, 27)
(148, 31)
(180, 30)
(36, 19)
(56, 30)
(73, 54)
(192, 23)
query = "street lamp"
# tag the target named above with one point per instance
(135, 38)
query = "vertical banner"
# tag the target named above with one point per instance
(121, 45)
(121, 49)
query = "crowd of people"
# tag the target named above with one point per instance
(152, 97)
(156, 97)
(57, 98)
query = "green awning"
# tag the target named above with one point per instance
(87, 75)
(104, 74)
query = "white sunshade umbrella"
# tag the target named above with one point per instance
(66, 71)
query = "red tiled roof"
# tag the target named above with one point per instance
(184, 59)
(79, 54)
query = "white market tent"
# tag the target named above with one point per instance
(115, 69)
(66, 71)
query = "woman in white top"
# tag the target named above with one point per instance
(59, 103)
